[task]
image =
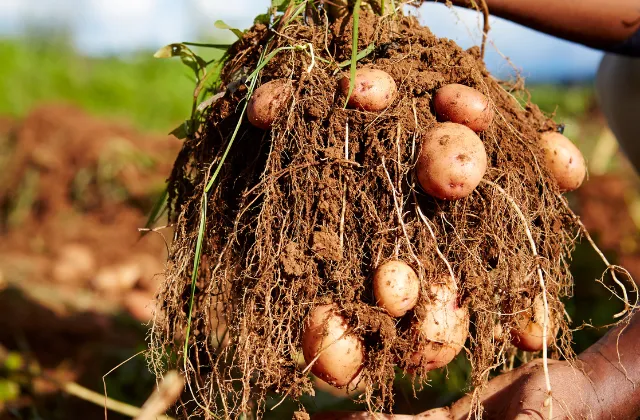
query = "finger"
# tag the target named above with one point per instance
(363, 415)
(435, 414)
(496, 395)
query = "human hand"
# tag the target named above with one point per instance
(518, 394)
(600, 383)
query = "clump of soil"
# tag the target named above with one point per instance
(302, 214)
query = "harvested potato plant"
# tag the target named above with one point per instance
(289, 212)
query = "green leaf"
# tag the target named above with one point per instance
(221, 25)
(164, 52)
(264, 18)
(280, 5)
(204, 45)
(156, 212)
(173, 50)
(191, 62)
(362, 54)
(180, 132)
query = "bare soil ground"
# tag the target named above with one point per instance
(76, 278)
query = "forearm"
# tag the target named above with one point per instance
(613, 366)
(597, 23)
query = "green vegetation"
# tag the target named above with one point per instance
(149, 93)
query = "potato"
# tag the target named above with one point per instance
(396, 287)
(340, 354)
(75, 264)
(139, 304)
(452, 161)
(463, 105)
(564, 160)
(442, 330)
(527, 335)
(118, 277)
(374, 90)
(268, 101)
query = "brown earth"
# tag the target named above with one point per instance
(73, 192)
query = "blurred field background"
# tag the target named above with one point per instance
(84, 153)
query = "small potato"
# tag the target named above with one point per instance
(75, 264)
(396, 287)
(340, 355)
(527, 335)
(374, 90)
(140, 304)
(452, 161)
(564, 160)
(463, 105)
(443, 329)
(116, 278)
(267, 101)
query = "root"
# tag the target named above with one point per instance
(399, 214)
(611, 267)
(549, 400)
(300, 215)
(435, 242)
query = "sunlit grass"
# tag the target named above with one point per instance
(151, 94)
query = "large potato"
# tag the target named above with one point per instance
(374, 90)
(340, 354)
(442, 330)
(396, 287)
(564, 160)
(463, 105)
(452, 161)
(267, 101)
(527, 335)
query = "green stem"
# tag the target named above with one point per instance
(354, 51)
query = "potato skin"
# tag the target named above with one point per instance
(452, 161)
(342, 359)
(374, 90)
(463, 105)
(396, 287)
(527, 335)
(443, 329)
(267, 101)
(564, 160)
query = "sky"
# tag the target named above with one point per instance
(107, 27)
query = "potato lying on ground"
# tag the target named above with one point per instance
(527, 335)
(442, 327)
(452, 161)
(74, 265)
(374, 90)
(396, 287)
(564, 160)
(463, 105)
(267, 101)
(336, 354)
